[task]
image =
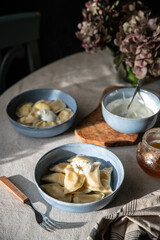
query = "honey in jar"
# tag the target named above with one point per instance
(155, 145)
(148, 152)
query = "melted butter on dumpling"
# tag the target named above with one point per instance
(64, 115)
(72, 180)
(93, 178)
(105, 176)
(54, 178)
(59, 167)
(24, 109)
(56, 191)
(57, 105)
(83, 198)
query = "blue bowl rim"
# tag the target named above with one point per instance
(39, 128)
(79, 204)
(130, 119)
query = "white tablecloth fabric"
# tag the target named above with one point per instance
(85, 77)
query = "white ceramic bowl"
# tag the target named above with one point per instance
(129, 125)
(34, 96)
(62, 154)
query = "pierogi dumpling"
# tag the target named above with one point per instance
(83, 189)
(36, 123)
(59, 167)
(81, 157)
(56, 191)
(42, 104)
(30, 118)
(54, 178)
(22, 120)
(49, 124)
(57, 105)
(80, 178)
(93, 178)
(64, 115)
(105, 176)
(41, 123)
(43, 113)
(83, 198)
(81, 163)
(72, 180)
(43, 101)
(24, 109)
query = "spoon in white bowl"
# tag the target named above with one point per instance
(139, 85)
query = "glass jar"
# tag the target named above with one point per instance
(148, 152)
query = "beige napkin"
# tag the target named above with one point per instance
(138, 219)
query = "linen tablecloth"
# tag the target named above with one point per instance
(85, 77)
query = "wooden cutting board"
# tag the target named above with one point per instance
(93, 129)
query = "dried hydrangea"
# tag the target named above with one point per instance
(93, 32)
(128, 29)
(139, 41)
(101, 19)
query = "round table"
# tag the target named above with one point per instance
(84, 76)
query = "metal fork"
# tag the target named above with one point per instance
(44, 221)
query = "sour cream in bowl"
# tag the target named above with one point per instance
(142, 114)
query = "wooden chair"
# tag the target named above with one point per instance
(19, 34)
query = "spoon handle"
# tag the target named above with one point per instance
(139, 85)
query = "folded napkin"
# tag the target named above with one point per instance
(138, 219)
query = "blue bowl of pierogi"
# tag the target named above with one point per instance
(141, 116)
(79, 177)
(42, 113)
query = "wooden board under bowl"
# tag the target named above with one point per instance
(93, 129)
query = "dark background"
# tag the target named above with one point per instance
(59, 21)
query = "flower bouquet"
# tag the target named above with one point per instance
(129, 29)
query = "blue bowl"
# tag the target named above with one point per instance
(62, 154)
(34, 96)
(129, 125)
